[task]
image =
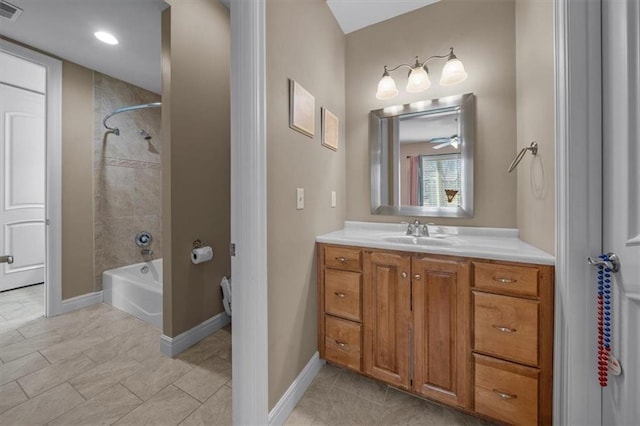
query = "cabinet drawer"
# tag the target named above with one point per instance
(342, 294)
(506, 391)
(506, 327)
(506, 279)
(343, 342)
(348, 259)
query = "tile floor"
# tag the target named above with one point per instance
(20, 306)
(102, 366)
(339, 397)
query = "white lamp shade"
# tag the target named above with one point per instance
(418, 80)
(386, 88)
(453, 73)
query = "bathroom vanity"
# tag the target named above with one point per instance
(463, 317)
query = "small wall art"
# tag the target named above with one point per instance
(302, 107)
(330, 129)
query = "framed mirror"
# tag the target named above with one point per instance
(422, 158)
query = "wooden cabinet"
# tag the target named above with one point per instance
(513, 341)
(387, 316)
(473, 334)
(441, 329)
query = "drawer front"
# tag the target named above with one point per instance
(342, 294)
(506, 391)
(343, 342)
(506, 279)
(506, 327)
(348, 259)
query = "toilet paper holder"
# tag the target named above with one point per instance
(197, 244)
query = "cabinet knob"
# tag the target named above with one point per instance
(404, 275)
(341, 259)
(504, 395)
(504, 329)
(417, 277)
(340, 295)
(341, 344)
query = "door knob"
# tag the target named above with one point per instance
(6, 259)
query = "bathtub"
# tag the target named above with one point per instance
(136, 289)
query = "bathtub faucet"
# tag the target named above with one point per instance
(147, 252)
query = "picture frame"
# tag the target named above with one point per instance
(330, 129)
(302, 107)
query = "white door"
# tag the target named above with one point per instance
(22, 186)
(621, 198)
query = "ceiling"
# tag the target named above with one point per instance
(423, 128)
(353, 15)
(65, 28)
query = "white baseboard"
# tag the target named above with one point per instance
(80, 302)
(172, 346)
(289, 400)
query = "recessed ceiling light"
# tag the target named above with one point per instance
(106, 37)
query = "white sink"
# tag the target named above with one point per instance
(420, 241)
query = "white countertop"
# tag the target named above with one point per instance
(483, 243)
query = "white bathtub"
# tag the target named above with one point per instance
(135, 291)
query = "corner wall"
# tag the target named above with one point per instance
(195, 157)
(305, 43)
(536, 121)
(483, 35)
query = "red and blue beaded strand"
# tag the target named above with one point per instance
(604, 320)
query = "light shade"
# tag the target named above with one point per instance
(453, 73)
(418, 80)
(386, 88)
(106, 37)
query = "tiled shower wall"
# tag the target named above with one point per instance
(127, 175)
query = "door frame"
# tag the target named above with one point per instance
(578, 82)
(53, 173)
(249, 213)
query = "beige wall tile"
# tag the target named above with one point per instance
(104, 409)
(44, 407)
(168, 407)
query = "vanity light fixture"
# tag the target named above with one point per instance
(452, 73)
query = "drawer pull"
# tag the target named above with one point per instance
(341, 344)
(504, 329)
(505, 395)
(340, 295)
(505, 280)
(341, 259)
(417, 277)
(404, 275)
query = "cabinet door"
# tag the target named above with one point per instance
(387, 315)
(441, 330)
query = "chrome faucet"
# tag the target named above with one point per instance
(417, 230)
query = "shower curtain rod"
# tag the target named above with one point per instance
(115, 130)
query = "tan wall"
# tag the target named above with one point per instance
(535, 94)
(483, 35)
(196, 158)
(77, 181)
(304, 43)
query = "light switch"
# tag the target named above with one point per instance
(333, 198)
(299, 198)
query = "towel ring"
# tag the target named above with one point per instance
(534, 150)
